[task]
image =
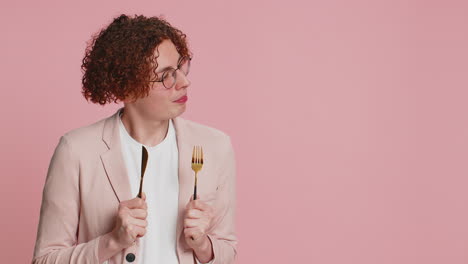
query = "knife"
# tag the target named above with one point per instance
(144, 161)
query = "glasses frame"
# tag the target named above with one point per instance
(174, 71)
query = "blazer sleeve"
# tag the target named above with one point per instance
(56, 240)
(223, 235)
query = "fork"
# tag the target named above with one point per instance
(197, 164)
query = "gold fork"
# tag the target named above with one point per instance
(197, 164)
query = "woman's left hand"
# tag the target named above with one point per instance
(198, 219)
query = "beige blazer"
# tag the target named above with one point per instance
(87, 179)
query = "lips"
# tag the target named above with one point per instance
(182, 98)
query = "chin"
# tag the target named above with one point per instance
(177, 113)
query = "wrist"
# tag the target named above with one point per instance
(108, 247)
(204, 252)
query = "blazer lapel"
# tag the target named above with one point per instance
(186, 179)
(113, 160)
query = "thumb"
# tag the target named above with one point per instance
(198, 197)
(143, 196)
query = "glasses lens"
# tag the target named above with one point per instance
(185, 67)
(169, 78)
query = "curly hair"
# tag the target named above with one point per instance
(119, 59)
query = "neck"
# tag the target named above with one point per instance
(144, 130)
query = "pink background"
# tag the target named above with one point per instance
(349, 119)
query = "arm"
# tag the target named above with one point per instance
(206, 248)
(223, 236)
(58, 223)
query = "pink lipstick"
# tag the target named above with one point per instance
(183, 99)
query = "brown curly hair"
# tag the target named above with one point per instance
(119, 59)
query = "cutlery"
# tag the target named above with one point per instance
(197, 164)
(144, 161)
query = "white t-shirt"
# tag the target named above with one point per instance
(161, 186)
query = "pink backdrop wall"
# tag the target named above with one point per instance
(349, 119)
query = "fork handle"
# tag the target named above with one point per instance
(195, 188)
(195, 193)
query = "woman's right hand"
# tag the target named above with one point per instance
(131, 221)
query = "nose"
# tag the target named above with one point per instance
(181, 81)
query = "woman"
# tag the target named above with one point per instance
(90, 211)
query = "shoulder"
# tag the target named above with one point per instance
(202, 129)
(86, 138)
(205, 133)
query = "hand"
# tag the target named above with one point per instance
(198, 219)
(131, 221)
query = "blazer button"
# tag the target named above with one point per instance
(130, 257)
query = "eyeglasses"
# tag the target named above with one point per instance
(169, 76)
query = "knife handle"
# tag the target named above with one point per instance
(141, 188)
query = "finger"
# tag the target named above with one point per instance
(192, 232)
(200, 205)
(143, 196)
(140, 231)
(191, 203)
(189, 232)
(194, 214)
(198, 197)
(135, 203)
(138, 222)
(188, 222)
(139, 213)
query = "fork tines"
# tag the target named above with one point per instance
(197, 155)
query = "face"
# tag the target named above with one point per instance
(160, 103)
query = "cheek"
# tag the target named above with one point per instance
(157, 98)
(160, 102)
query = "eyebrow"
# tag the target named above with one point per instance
(169, 67)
